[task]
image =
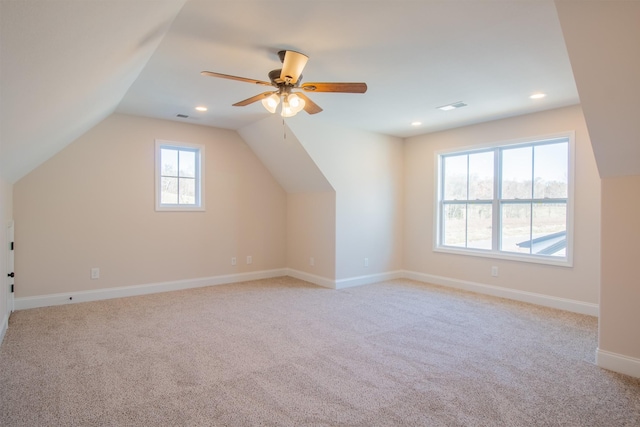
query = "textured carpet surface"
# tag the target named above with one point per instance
(282, 352)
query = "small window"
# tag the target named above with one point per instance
(179, 176)
(509, 201)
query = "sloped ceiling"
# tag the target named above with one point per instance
(67, 64)
(280, 151)
(603, 41)
(65, 67)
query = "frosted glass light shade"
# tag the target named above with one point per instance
(296, 103)
(287, 111)
(271, 102)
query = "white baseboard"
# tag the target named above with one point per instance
(135, 290)
(618, 363)
(368, 279)
(152, 288)
(126, 291)
(524, 296)
(344, 283)
(316, 280)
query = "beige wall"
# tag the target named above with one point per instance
(580, 283)
(602, 43)
(6, 215)
(92, 205)
(311, 232)
(619, 301)
(365, 169)
(311, 201)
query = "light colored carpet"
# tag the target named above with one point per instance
(282, 352)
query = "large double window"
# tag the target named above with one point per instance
(509, 200)
(179, 176)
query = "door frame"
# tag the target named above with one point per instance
(10, 266)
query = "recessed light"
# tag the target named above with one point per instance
(416, 123)
(538, 95)
(452, 106)
(201, 108)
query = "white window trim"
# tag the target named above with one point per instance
(497, 254)
(199, 180)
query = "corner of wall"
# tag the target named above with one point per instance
(6, 216)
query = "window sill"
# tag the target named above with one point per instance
(536, 259)
(179, 209)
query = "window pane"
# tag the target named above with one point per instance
(188, 164)
(168, 162)
(510, 199)
(549, 229)
(551, 169)
(187, 191)
(179, 171)
(455, 177)
(515, 232)
(169, 191)
(479, 223)
(481, 176)
(516, 173)
(454, 233)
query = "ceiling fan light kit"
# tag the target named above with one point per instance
(271, 102)
(292, 104)
(286, 79)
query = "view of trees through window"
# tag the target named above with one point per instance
(510, 199)
(178, 176)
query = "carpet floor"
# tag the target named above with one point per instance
(282, 352)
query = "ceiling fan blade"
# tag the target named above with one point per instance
(335, 87)
(292, 66)
(253, 99)
(309, 106)
(240, 79)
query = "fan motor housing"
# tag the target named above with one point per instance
(274, 76)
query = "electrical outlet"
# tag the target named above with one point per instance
(249, 259)
(312, 261)
(366, 262)
(233, 261)
(494, 271)
(95, 273)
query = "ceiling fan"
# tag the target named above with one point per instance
(285, 80)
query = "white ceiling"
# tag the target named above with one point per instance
(68, 64)
(414, 56)
(65, 66)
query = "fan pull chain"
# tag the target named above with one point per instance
(284, 130)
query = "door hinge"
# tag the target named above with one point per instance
(11, 246)
(11, 288)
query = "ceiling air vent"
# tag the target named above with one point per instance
(182, 116)
(452, 106)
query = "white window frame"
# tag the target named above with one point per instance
(566, 261)
(199, 176)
